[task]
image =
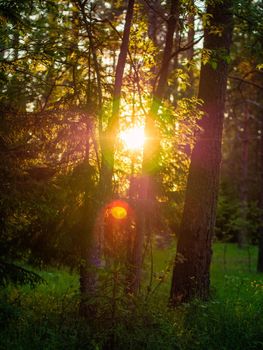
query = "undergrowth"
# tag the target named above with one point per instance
(47, 317)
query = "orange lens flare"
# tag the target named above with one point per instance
(118, 212)
(118, 209)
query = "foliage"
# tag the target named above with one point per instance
(230, 219)
(17, 275)
(58, 59)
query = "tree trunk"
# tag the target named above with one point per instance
(260, 240)
(108, 139)
(151, 151)
(90, 257)
(152, 19)
(174, 88)
(242, 234)
(90, 253)
(191, 277)
(90, 262)
(190, 51)
(260, 251)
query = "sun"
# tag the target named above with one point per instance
(133, 138)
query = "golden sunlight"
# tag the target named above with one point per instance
(133, 138)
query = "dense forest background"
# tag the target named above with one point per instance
(131, 137)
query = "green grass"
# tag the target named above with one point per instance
(233, 319)
(47, 317)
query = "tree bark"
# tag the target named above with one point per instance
(191, 277)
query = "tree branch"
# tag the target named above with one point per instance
(243, 81)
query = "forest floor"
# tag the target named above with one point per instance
(46, 317)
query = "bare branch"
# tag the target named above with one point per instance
(243, 81)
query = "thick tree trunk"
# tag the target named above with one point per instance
(191, 270)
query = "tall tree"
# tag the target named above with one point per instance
(108, 139)
(90, 251)
(191, 277)
(151, 148)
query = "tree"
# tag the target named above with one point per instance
(151, 150)
(260, 242)
(90, 250)
(191, 269)
(238, 216)
(109, 137)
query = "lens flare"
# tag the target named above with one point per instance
(133, 138)
(119, 212)
(118, 209)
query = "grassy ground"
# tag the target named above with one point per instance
(47, 317)
(228, 261)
